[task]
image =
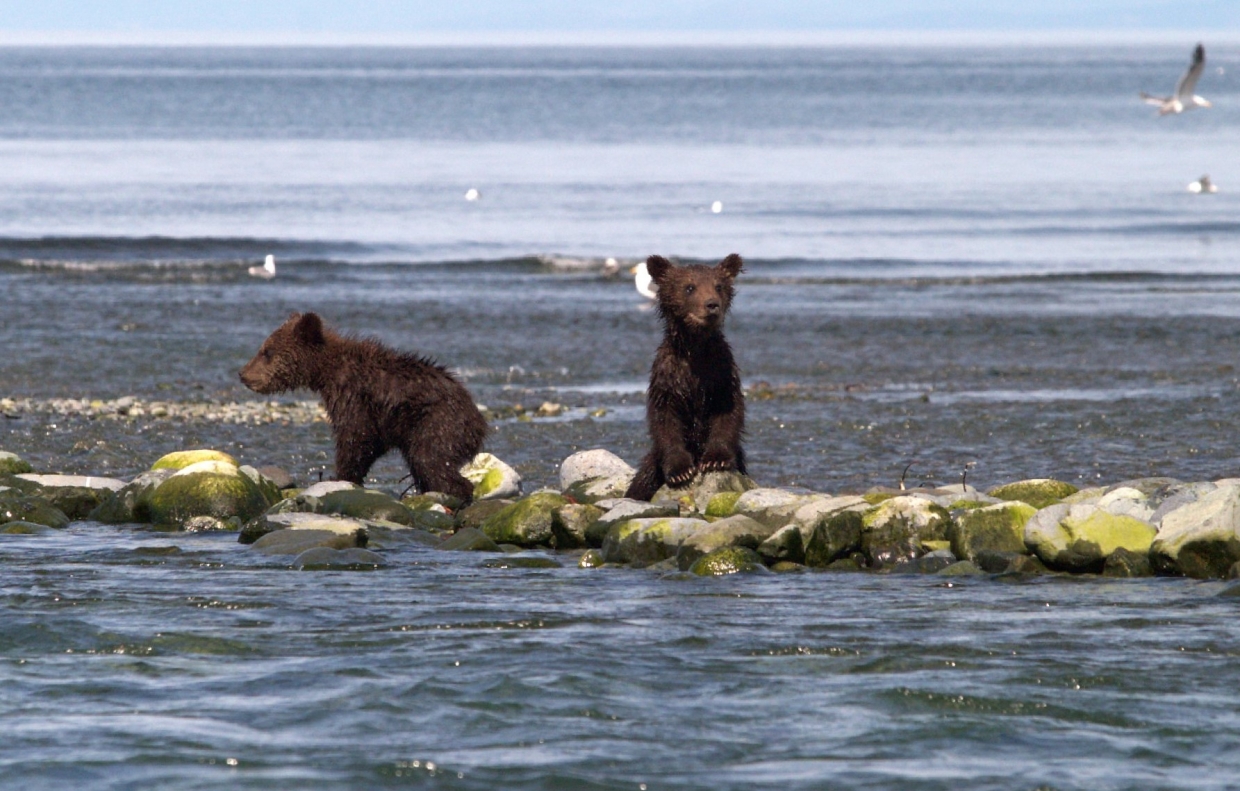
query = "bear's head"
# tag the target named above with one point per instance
(695, 297)
(287, 359)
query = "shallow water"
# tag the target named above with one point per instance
(994, 264)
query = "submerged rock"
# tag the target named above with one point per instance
(997, 528)
(492, 478)
(522, 562)
(294, 542)
(12, 464)
(32, 509)
(961, 568)
(728, 560)
(591, 559)
(1038, 492)
(468, 539)
(20, 528)
(327, 558)
(1080, 537)
(527, 522)
(1200, 539)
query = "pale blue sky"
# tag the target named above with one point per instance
(411, 17)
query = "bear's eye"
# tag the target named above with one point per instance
(689, 289)
(267, 355)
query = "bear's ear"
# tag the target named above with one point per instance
(658, 267)
(309, 330)
(731, 266)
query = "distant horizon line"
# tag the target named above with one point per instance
(624, 38)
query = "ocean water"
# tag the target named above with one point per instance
(979, 258)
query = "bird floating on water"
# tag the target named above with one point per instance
(644, 282)
(716, 207)
(472, 194)
(267, 270)
(1183, 98)
(1203, 186)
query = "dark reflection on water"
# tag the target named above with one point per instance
(217, 666)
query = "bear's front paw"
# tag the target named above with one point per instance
(679, 470)
(717, 460)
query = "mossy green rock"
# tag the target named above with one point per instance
(131, 503)
(1122, 563)
(728, 560)
(12, 464)
(474, 514)
(623, 511)
(704, 488)
(207, 488)
(1080, 537)
(366, 504)
(893, 530)
(492, 478)
(785, 545)
(569, 524)
(591, 490)
(179, 460)
(722, 504)
(998, 528)
(468, 539)
(961, 568)
(648, 540)
(20, 528)
(1200, 539)
(77, 502)
(294, 542)
(32, 509)
(737, 530)
(591, 559)
(431, 501)
(1038, 492)
(527, 522)
(833, 537)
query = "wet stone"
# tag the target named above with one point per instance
(294, 542)
(728, 560)
(569, 524)
(469, 539)
(591, 559)
(474, 514)
(326, 558)
(522, 562)
(12, 464)
(1122, 563)
(32, 509)
(20, 528)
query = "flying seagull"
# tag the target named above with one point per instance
(1203, 186)
(267, 270)
(1184, 98)
(644, 282)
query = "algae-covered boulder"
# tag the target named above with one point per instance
(294, 542)
(20, 528)
(737, 530)
(569, 523)
(1080, 537)
(131, 503)
(784, 545)
(1200, 539)
(271, 522)
(31, 509)
(1127, 501)
(206, 488)
(648, 540)
(479, 511)
(12, 464)
(527, 522)
(492, 478)
(468, 539)
(591, 559)
(895, 529)
(76, 495)
(727, 560)
(772, 507)
(1122, 563)
(834, 535)
(998, 528)
(704, 487)
(722, 504)
(622, 510)
(591, 475)
(179, 460)
(367, 504)
(1038, 492)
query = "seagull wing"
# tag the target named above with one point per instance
(1157, 101)
(1188, 83)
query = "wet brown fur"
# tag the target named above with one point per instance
(378, 399)
(695, 409)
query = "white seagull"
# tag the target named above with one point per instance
(1203, 186)
(267, 270)
(1184, 98)
(644, 282)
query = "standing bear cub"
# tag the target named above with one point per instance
(695, 409)
(378, 399)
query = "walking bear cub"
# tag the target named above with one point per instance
(695, 409)
(378, 399)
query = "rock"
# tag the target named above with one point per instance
(1200, 539)
(1038, 492)
(355, 559)
(206, 488)
(1089, 495)
(727, 560)
(1122, 563)
(994, 561)
(20, 528)
(1127, 501)
(527, 522)
(76, 495)
(179, 460)
(469, 539)
(32, 509)
(1233, 573)
(492, 478)
(209, 524)
(278, 476)
(588, 465)
(785, 544)
(832, 537)
(734, 531)
(368, 504)
(131, 503)
(723, 504)
(931, 563)
(12, 464)
(73, 481)
(522, 562)
(294, 542)
(592, 490)
(894, 529)
(569, 523)
(998, 528)
(854, 562)
(786, 567)
(704, 487)
(623, 510)
(1155, 488)
(1080, 537)
(324, 488)
(591, 559)
(771, 507)
(431, 501)
(270, 523)
(962, 568)
(648, 540)
(477, 512)
(1180, 496)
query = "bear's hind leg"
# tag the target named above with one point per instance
(647, 480)
(436, 475)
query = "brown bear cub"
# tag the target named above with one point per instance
(695, 409)
(378, 399)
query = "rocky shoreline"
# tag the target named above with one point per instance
(722, 523)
